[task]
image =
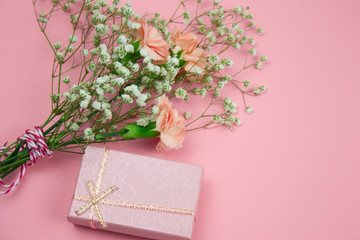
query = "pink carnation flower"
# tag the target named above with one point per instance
(195, 59)
(151, 40)
(170, 124)
(186, 41)
(192, 55)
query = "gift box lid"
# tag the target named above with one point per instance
(136, 195)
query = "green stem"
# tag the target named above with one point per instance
(19, 163)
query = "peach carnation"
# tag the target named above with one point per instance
(195, 59)
(151, 40)
(192, 55)
(186, 41)
(170, 124)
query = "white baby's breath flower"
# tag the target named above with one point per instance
(140, 103)
(155, 109)
(236, 45)
(133, 90)
(60, 55)
(92, 66)
(133, 25)
(74, 127)
(203, 92)
(237, 9)
(85, 52)
(258, 65)
(252, 24)
(141, 100)
(208, 80)
(227, 100)
(163, 72)
(152, 68)
(186, 17)
(263, 58)
(129, 48)
(115, 28)
(237, 121)
(89, 135)
(100, 91)
(117, 67)
(175, 61)
(156, 69)
(66, 79)
(135, 67)
(74, 88)
(117, 81)
(144, 53)
(180, 93)
(74, 97)
(84, 104)
(252, 51)
(187, 115)
(143, 97)
(104, 58)
(127, 98)
(83, 93)
(200, 21)
(105, 105)
(101, 80)
(69, 48)
(233, 110)
(73, 39)
(66, 95)
(176, 49)
(233, 105)
(122, 40)
(198, 71)
(107, 114)
(96, 105)
(216, 118)
(220, 85)
(57, 45)
(124, 72)
(100, 28)
(143, 121)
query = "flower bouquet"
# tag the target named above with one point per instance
(114, 76)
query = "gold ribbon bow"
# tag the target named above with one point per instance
(95, 200)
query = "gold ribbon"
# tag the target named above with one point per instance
(92, 202)
(96, 198)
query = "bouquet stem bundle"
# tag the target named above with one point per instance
(114, 76)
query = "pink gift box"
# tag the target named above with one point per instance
(136, 195)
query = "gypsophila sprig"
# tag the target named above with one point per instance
(115, 71)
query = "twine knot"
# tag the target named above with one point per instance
(36, 144)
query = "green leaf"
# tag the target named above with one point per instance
(134, 131)
(133, 57)
(182, 63)
(179, 54)
(136, 46)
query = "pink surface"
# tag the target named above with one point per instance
(290, 172)
(140, 180)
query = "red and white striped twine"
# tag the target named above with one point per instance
(36, 143)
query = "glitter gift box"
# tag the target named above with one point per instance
(136, 195)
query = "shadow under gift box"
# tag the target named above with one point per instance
(136, 195)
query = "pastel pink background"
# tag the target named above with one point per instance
(290, 172)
